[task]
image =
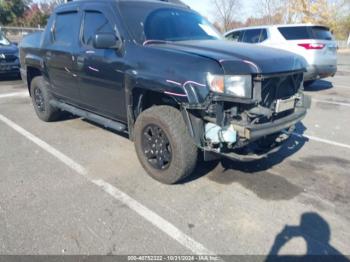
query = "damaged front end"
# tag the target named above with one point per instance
(251, 128)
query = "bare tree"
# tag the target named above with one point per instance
(271, 10)
(225, 11)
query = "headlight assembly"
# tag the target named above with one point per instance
(235, 85)
(240, 86)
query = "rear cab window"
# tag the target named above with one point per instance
(306, 32)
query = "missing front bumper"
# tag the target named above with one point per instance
(253, 132)
(253, 151)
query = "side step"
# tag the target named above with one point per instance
(107, 123)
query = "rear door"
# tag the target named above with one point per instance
(60, 55)
(101, 71)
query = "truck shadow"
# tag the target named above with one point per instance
(316, 232)
(319, 85)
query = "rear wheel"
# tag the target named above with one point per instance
(163, 144)
(41, 100)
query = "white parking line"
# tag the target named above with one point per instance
(154, 219)
(63, 158)
(23, 94)
(331, 102)
(143, 211)
(322, 140)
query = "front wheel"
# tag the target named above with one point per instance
(163, 144)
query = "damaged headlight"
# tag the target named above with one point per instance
(236, 85)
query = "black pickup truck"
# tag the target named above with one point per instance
(162, 73)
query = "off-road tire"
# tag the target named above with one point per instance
(47, 113)
(184, 151)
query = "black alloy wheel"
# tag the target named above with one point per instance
(164, 145)
(156, 147)
(39, 99)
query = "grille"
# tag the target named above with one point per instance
(279, 87)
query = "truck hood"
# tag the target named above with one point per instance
(239, 58)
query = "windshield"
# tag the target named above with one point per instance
(3, 40)
(166, 24)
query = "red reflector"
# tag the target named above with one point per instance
(312, 46)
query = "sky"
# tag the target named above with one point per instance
(205, 7)
(201, 6)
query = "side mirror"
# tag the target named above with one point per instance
(106, 41)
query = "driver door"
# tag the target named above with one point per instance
(101, 71)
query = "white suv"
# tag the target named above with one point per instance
(313, 42)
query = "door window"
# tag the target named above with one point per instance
(263, 35)
(252, 36)
(66, 29)
(234, 36)
(95, 23)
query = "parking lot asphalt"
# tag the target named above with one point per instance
(71, 187)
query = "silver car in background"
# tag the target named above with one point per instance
(313, 42)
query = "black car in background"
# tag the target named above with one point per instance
(160, 72)
(9, 58)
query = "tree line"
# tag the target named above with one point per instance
(26, 12)
(334, 14)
